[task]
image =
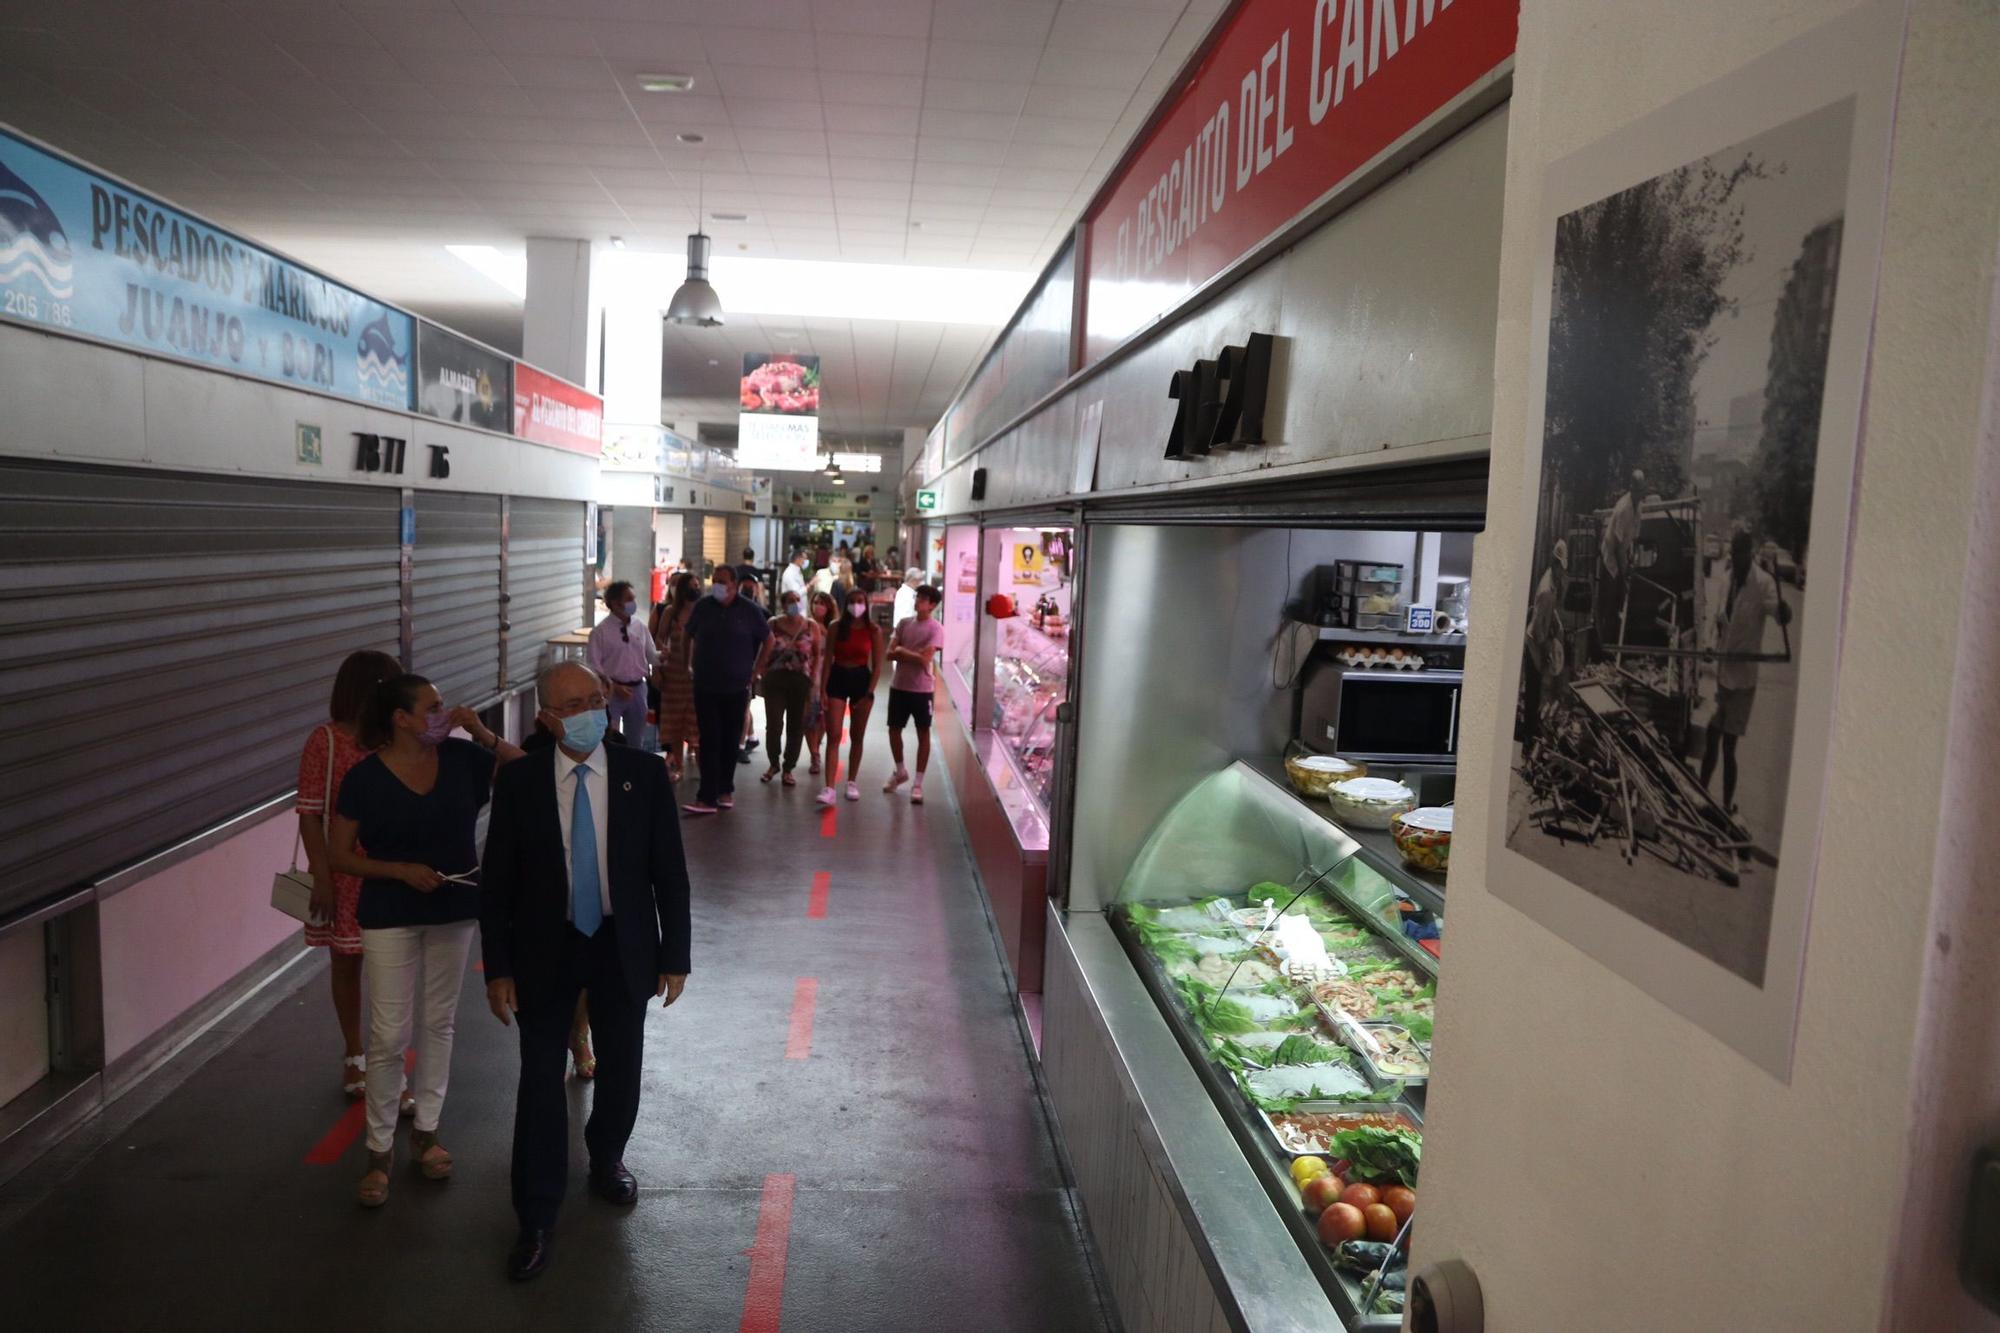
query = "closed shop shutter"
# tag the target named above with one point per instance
(715, 540)
(455, 595)
(545, 584)
(166, 643)
(739, 536)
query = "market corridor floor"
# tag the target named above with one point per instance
(839, 1119)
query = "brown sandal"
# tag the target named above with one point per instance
(374, 1188)
(430, 1155)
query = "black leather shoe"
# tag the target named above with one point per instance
(533, 1249)
(614, 1184)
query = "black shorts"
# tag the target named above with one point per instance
(849, 682)
(910, 706)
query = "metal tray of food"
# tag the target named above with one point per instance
(1352, 1114)
(1386, 1070)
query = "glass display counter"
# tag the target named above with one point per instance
(1296, 968)
(1030, 680)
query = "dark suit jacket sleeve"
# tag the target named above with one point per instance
(670, 877)
(500, 876)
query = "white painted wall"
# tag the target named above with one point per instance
(170, 941)
(1600, 1162)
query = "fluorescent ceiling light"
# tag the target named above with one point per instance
(666, 83)
(509, 271)
(829, 289)
(858, 462)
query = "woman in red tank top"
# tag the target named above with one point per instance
(853, 670)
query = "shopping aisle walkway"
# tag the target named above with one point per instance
(839, 1117)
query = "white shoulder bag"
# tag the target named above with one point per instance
(292, 890)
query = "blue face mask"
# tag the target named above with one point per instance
(630, 609)
(722, 592)
(584, 732)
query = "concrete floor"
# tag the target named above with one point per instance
(926, 1193)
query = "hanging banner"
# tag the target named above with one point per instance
(778, 429)
(1290, 100)
(552, 411)
(463, 382)
(80, 253)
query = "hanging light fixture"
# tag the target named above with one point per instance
(695, 302)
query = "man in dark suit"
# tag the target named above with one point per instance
(584, 888)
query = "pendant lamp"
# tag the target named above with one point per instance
(695, 302)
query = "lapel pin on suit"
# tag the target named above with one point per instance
(628, 786)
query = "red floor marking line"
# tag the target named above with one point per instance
(805, 996)
(764, 1298)
(347, 1129)
(816, 905)
(829, 822)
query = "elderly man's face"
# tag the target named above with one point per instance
(575, 690)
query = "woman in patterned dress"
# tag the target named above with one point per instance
(676, 670)
(335, 897)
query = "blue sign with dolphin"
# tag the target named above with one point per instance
(80, 253)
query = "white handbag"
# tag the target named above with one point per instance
(292, 890)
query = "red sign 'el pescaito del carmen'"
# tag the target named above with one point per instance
(552, 411)
(1292, 98)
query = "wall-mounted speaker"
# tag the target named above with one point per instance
(979, 483)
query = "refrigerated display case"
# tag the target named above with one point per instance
(1297, 967)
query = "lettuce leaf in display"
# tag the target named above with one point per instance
(1213, 1013)
(1380, 1154)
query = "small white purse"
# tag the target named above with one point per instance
(292, 890)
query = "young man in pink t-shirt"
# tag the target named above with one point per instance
(914, 649)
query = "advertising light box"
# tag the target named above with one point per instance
(778, 429)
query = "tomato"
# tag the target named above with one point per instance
(1321, 1192)
(1402, 1201)
(1305, 1168)
(1361, 1196)
(1380, 1221)
(1341, 1222)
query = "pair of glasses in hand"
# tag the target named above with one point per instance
(468, 877)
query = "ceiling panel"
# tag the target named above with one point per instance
(363, 135)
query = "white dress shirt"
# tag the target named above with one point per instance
(792, 580)
(625, 657)
(906, 605)
(596, 765)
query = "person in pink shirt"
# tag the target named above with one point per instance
(913, 650)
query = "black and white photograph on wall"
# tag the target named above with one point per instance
(1700, 345)
(1688, 335)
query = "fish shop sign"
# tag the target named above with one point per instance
(81, 253)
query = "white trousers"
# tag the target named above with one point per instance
(413, 976)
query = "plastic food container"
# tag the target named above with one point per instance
(1423, 836)
(1371, 803)
(1312, 774)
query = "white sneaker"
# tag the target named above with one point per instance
(825, 796)
(853, 792)
(917, 791)
(896, 779)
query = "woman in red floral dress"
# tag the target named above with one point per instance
(335, 897)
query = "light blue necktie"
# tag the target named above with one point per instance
(586, 912)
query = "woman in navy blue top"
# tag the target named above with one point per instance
(414, 805)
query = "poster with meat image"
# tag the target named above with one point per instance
(786, 384)
(778, 427)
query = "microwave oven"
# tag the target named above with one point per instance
(1388, 717)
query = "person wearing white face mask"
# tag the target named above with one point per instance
(414, 805)
(623, 653)
(789, 669)
(853, 671)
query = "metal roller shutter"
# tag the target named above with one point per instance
(715, 540)
(166, 642)
(545, 581)
(455, 595)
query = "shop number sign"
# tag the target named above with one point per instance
(1221, 402)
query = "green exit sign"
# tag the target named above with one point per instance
(926, 501)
